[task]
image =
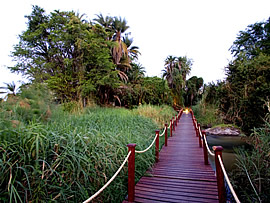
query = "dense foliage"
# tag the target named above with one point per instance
(241, 98)
(83, 61)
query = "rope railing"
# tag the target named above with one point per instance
(163, 132)
(112, 178)
(145, 150)
(131, 159)
(228, 180)
(220, 169)
(206, 143)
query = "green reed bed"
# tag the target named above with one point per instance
(71, 156)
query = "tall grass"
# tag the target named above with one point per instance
(160, 114)
(69, 157)
(252, 175)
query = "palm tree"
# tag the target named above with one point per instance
(184, 64)
(104, 22)
(136, 72)
(133, 51)
(119, 26)
(168, 71)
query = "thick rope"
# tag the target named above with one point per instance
(170, 125)
(228, 180)
(147, 147)
(163, 132)
(112, 178)
(206, 143)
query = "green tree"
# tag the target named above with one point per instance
(193, 86)
(254, 40)
(246, 89)
(68, 53)
(247, 84)
(175, 72)
(168, 71)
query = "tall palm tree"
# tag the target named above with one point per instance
(184, 64)
(119, 27)
(133, 51)
(168, 71)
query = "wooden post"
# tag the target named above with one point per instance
(200, 139)
(173, 123)
(171, 128)
(157, 146)
(196, 128)
(193, 120)
(166, 134)
(205, 153)
(131, 173)
(176, 120)
(220, 175)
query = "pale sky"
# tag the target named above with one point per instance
(202, 30)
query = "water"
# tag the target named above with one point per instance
(228, 154)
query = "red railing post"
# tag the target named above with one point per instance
(131, 172)
(173, 123)
(166, 134)
(200, 139)
(171, 128)
(220, 175)
(193, 120)
(176, 120)
(205, 152)
(157, 146)
(197, 128)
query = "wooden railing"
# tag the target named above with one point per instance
(221, 173)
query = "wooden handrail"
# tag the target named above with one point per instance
(166, 134)
(205, 153)
(157, 147)
(131, 172)
(171, 128)
(220, 175)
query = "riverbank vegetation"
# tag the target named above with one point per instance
(242, 99)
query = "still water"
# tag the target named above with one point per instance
(228, 143)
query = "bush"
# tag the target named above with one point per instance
(207, 114)
(251, 178)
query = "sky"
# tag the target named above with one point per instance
(202, 30)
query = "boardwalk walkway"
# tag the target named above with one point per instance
(180, 175)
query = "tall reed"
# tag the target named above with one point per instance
(71, 156)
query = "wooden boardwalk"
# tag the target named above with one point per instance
(180, 175)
